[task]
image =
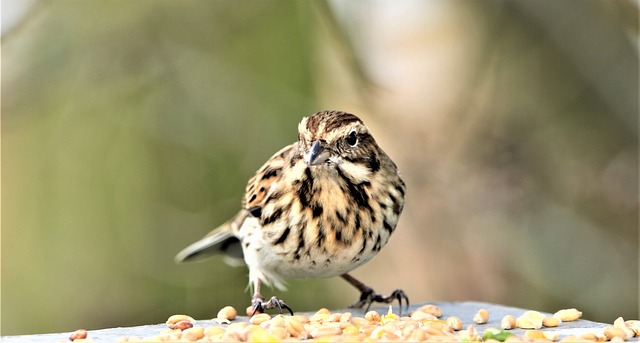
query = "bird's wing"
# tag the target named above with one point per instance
(260, 185)
(222, 239)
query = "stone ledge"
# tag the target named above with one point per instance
(463, 310)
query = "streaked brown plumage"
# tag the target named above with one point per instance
(319, 207)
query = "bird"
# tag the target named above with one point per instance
(318, 208)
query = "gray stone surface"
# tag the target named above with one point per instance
(462, 310)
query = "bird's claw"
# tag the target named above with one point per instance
(369, 296)
(260, 306)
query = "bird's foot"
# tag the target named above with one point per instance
(260, 306)
(369, 296)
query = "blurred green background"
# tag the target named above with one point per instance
(129, 129)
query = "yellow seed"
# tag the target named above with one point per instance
(530, 320)
(572, 339)
(213, 330)
(193, 334)
(261, 335)
(346, 317)
(359, 321)
(372, 316)
(536, 335)
(513, 338)
(431, 309)
(508, 322)
(334, 317)
(418, 335)
(590, 337)
(481, 317)
(455, 323)
(295, 328)
(259, 318)
(419, 315)
(611, 332)
(551, 322)
(325, 331)
(568, 315)
(279, 332)
(227, 312)
(351, 330)
(368, 329)
(278, 321)
(319, 317)
(323, 311)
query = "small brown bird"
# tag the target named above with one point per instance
(319, 207)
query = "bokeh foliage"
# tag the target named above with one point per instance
(129, 129)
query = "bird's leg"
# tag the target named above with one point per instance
(259, 305)
(369, 296)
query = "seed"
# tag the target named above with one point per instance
(227, 312)
(634, 325)
(325, 331)
(193, 334)
(481, 317)
(568, 315)
(323, 311)
(617, 339)
(279, 332)
(259, 318)
(431, 309)
(319, 317)
(301, 319)
(250, 311)
(334, 317)
(278, 321)
(418, 335)
(78, 334)
(591, 337)
(176, 318)
(551, 322)
(372, 316)
(539, 335)
(346, 317)
(455, 323)
(261, 335)
(419, 315)
(514, 338)
(508, 322)
(182, 325)
(350, 330)
(213, 331)
(622, 325)
(530, 320)
(611, 332)
(368, 329)
(470, 334)
(359, 321)
(495, 334)
(295, 328)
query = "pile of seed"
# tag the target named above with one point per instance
(423, 324)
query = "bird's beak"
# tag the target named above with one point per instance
(316, 154)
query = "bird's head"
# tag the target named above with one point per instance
(335, 138)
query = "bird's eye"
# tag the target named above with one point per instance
(352, 139)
